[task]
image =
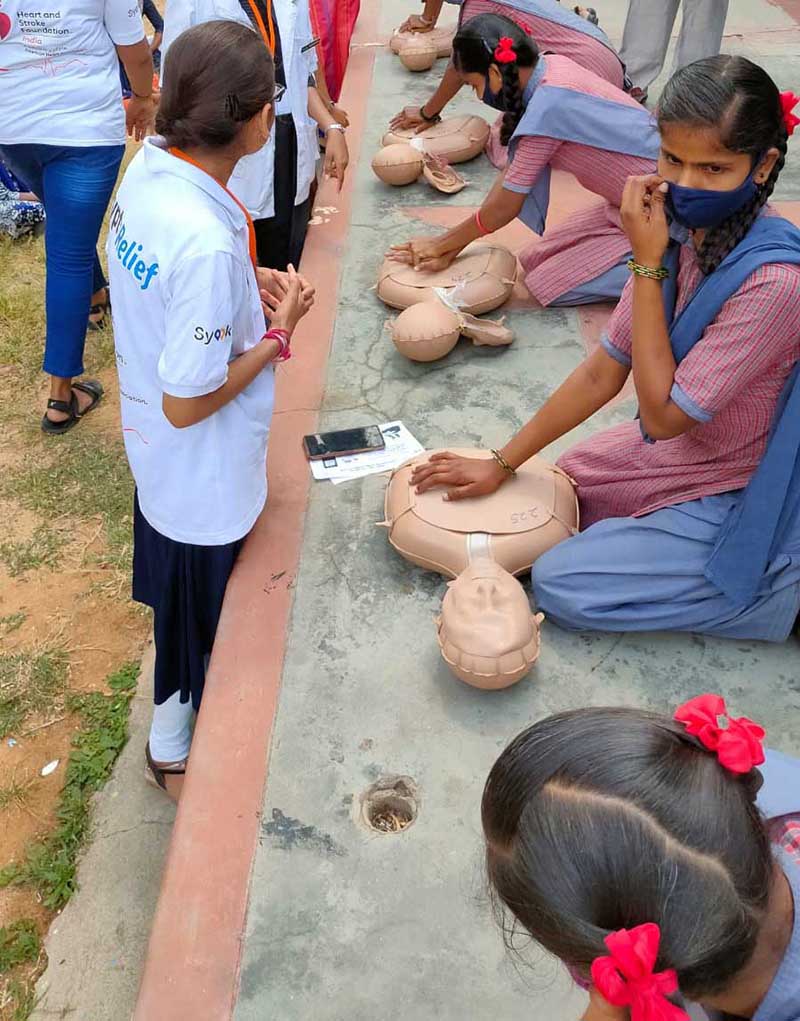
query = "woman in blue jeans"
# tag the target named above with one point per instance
(63, 130)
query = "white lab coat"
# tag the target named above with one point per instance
(252, 180)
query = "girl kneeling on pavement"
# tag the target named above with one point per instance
(691, 512)
(195, 357)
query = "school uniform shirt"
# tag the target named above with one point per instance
(252, 179)
(591, 241)
(186, 303)
(552, 37)
(729, 383)
(59, 77)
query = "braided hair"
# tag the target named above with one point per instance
(474, 53)
(739, 99)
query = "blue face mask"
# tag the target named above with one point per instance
(700, 209)
(493, 99)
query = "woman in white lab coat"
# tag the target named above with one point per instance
(275, 183)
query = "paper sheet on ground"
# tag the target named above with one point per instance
(400, 446)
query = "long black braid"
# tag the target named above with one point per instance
(512, 101)
(739, 99)
(474, 53)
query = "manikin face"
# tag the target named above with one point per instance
(486, 612)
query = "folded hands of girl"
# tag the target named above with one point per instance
(644, 218)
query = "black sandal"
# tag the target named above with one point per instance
(156, 775)
(92, 387)
(95, 310)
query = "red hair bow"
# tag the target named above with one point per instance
(788, 102)
(505, 54)
(627, 978)
(738, 745)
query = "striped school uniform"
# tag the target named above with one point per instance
(570, 264)
(652, 512)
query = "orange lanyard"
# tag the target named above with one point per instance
(267, 36)
(251, 230)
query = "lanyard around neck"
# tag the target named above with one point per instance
(251, 230)
(268, 35)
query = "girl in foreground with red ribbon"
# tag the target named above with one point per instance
(657, 857)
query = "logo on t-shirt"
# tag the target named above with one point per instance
(5, 25)
(129, 251)
(206, 336)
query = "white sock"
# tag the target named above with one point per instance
(171, 730)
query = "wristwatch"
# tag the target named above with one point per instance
(334, 127)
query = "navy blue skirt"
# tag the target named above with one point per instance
(185, 586)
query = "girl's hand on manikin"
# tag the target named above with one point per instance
(423, 253)
(416, 23)
(644, 218)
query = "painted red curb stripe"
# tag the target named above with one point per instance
(193, 958)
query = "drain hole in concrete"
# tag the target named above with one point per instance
(390, 805)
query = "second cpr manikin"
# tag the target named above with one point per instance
(488, 636)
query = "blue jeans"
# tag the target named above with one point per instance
(75, 185)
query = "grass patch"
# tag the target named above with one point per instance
(50, 866)
(85, 478)
(31, 684)
(14, 795)
(11, 622)
(19, 944)
(43, 549)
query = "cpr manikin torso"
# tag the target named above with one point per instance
(482, 543)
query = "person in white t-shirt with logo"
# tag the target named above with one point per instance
(195, 357)
(62, 131)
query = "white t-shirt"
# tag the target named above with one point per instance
(59, 74)
(252, 180)
(186, 303)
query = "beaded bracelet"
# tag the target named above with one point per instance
(503, 463)
(284, 343)
(647, 271)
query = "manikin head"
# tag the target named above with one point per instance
(487, 633)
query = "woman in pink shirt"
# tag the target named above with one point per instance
(691, 512)
(554, 28)
(556, 115)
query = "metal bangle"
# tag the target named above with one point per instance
(649, 272)
(503, 463)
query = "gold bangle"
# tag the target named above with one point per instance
(503, 463)
(647, 271)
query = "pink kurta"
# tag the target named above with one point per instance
(553, 38)
(550, 38)
(591, 241)
(729, 382)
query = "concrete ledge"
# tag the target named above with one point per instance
(193, 958)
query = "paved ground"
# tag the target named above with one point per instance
(96, 946)
(344, 923)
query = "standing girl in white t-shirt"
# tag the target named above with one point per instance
(195, 357)
(62, 131)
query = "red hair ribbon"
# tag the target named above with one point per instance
(788, 102)
(738, 744)
(627, 978)
(505, 54)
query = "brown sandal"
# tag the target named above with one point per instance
(156, 773)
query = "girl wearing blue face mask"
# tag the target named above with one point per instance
(691, 512)
(557, 115)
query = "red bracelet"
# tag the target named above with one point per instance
(481, 227)
(284, 343)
